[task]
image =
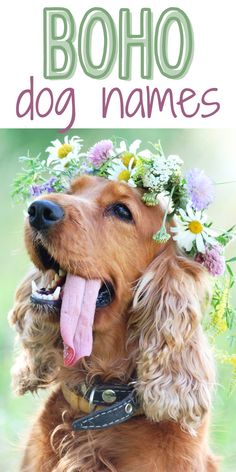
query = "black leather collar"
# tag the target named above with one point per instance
(118, 413)
(106, 394)
(120, 404)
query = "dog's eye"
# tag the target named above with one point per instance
(119, 210)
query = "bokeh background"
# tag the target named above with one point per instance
(212, 150)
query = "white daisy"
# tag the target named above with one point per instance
(60, 154)
(120, 171)
(193, 229)
(132, 149)
(123, 167)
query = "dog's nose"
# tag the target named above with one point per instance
(43, 214)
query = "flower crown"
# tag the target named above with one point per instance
(189, 196)
(188, 199)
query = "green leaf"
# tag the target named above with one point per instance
(226, 237)
(230, 317)
(229, 270)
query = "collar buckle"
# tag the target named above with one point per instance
(92, 406)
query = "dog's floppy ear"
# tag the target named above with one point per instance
(175, 369)
(35, 365)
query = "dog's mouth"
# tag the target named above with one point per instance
(51, 295)
(77, 299)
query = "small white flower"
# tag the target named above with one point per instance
(174, 162)
(60, 154)
(193, 229)
(119, 171)
(161, 171)
(160, 165)
(157, 175)
(168, 166)
(155, 182)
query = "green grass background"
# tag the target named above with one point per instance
(213, 150)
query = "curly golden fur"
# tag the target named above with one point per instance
(152, 327)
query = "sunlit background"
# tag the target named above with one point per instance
(212, 150)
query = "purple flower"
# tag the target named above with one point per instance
(212, 260)
(199, 189)
(100, 152)
(37, 190)
(48, 187)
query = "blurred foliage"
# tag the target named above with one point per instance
(213, 150)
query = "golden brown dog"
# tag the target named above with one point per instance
(147, 329)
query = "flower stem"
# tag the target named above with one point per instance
(157, 147)
(168, 205)
(162, 236)
(226, 182)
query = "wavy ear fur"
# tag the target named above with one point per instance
(175, 368)
(35, 366)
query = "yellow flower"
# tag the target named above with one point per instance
(195, 227)
(126, 158)
(232, 360)
(124, 175)
(64, 150)
(228, 359)
(218, 320)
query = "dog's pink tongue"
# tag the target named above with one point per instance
(77, 316)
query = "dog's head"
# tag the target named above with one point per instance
(100, 230)
(145, 296)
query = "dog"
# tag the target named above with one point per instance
(131, 370)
